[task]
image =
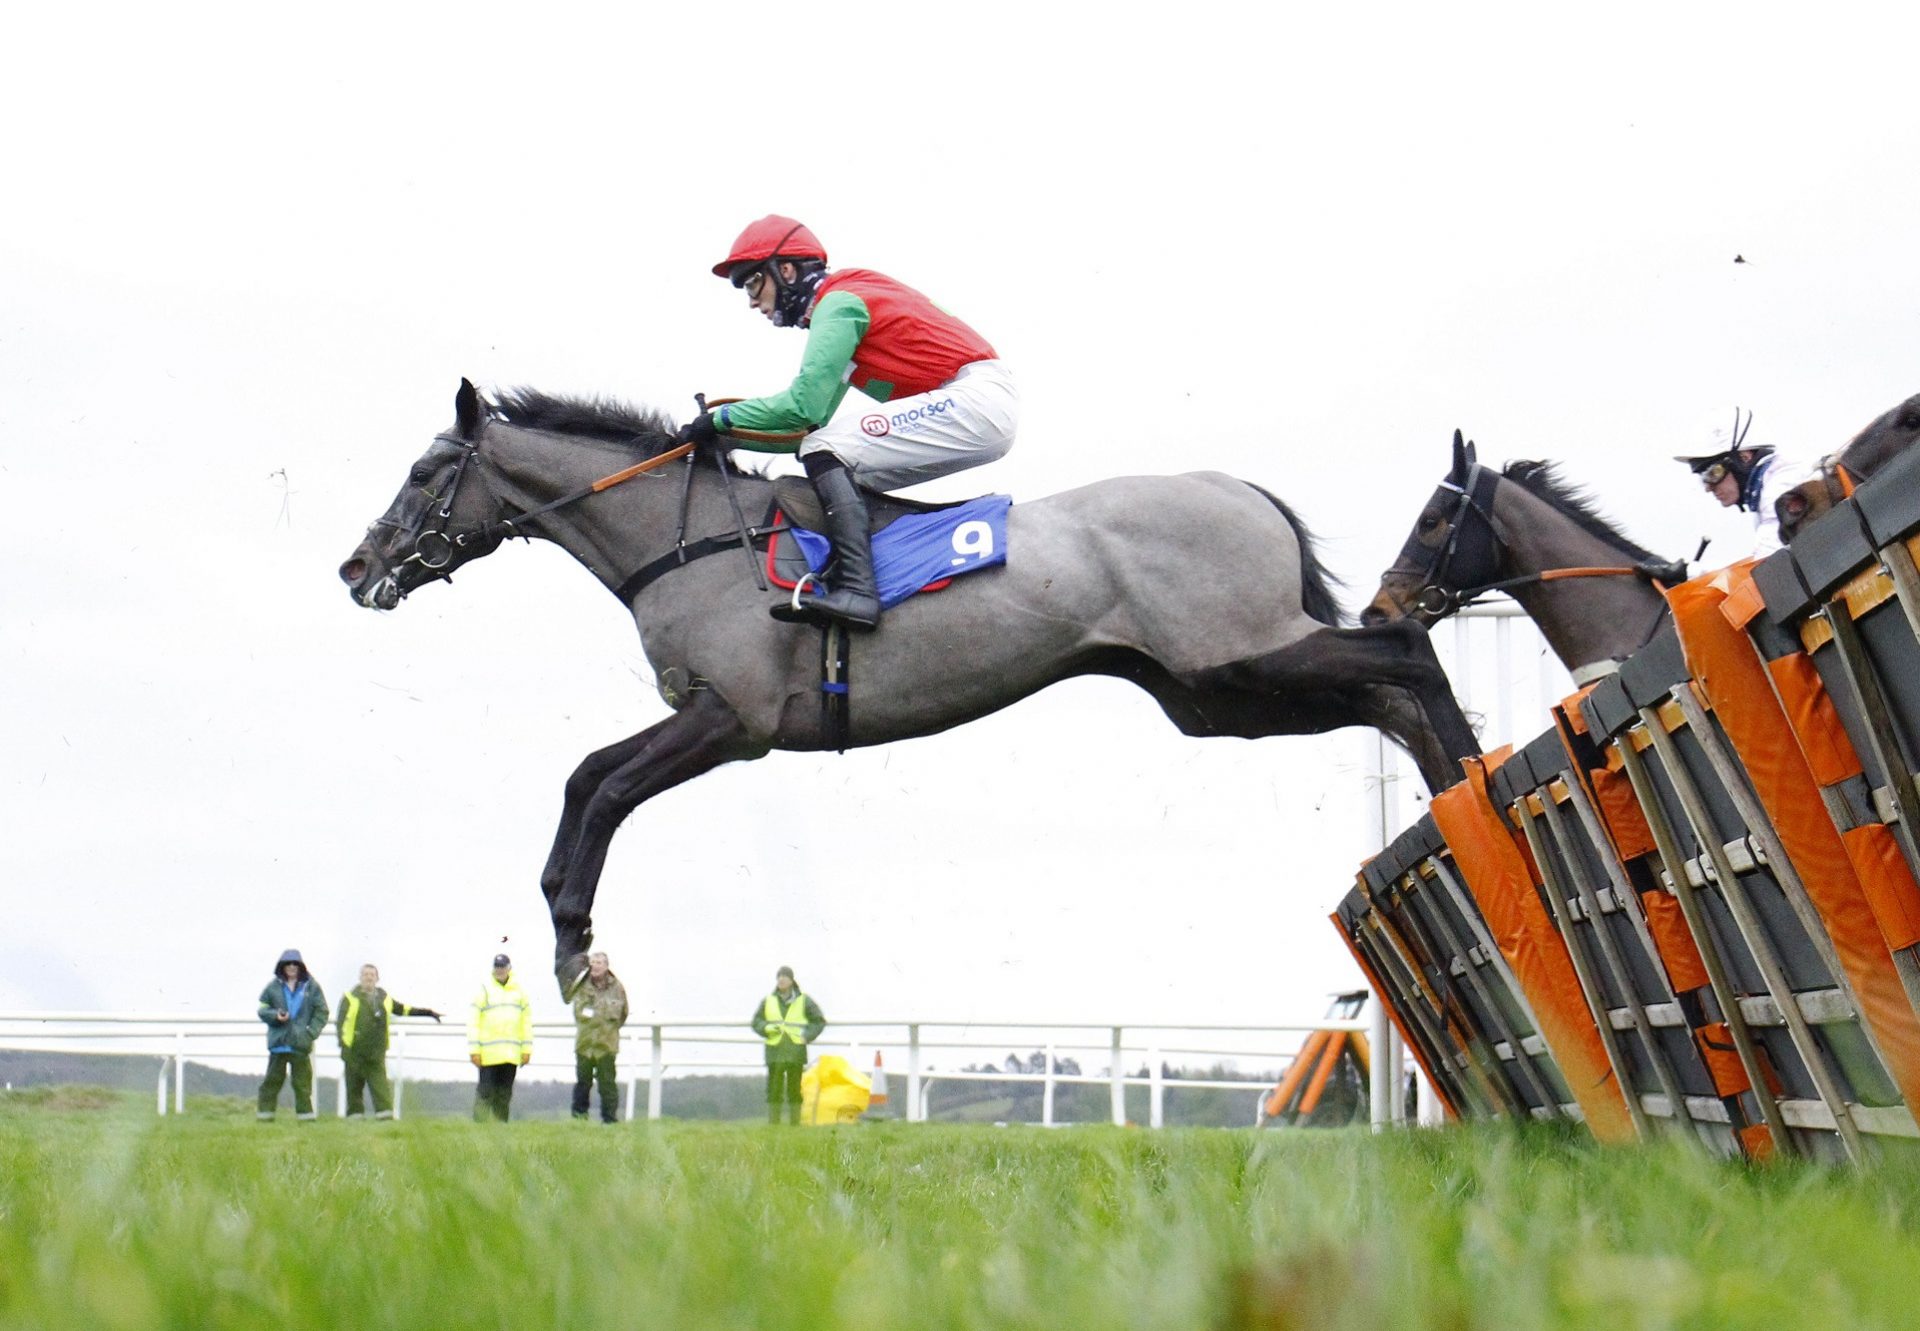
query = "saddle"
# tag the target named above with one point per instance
(916, 547)
(794, 496)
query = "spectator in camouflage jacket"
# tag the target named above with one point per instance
(599, 1011)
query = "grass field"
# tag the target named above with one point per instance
(112, 1218)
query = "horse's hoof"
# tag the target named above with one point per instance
(571, 973)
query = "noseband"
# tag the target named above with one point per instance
(434, 546)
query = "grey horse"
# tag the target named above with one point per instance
(1203, 590)
(1524, 531)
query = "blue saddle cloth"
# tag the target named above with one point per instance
(912, 552)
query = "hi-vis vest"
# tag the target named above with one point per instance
(350, 1027)
(791, 1024)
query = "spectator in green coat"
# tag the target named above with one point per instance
(295, 1012)
(364, 1025)
(599, 1011)
(788, 1021)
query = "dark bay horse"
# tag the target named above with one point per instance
(1524, 531)
(1884, 438)
(1203, 590)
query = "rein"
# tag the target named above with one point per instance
(434, 547)
(1436, 598)
(507, 527)
(1662, 575)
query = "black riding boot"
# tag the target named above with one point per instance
(855, 599)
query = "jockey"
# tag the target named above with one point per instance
(1750, 477)
(951, 404)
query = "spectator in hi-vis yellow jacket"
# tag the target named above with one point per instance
(499, 1039)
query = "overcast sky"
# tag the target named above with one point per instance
(248, 253)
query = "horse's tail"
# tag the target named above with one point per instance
(1316, 584)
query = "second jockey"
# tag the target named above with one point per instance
(949, 402)
(1743, 474)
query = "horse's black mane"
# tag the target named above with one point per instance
(1543, 480)
(591, 417)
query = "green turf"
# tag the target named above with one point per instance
(110, 1217)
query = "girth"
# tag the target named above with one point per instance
(682, 555)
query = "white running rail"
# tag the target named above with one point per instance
(653, 1050)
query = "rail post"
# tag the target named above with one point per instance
(1503, 669)
(1156, 1089)
(633, 1078)
(1397, 1076)
(916, 1111)
(1432, 1114)
(340, 1091)
(1380, 1071)
(399, 1073)
(653, 1078)
(180, 1072)
(160, 1089)
(1046, 1091)
(1461, 667)
(1118, 1074)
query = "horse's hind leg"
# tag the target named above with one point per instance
(1386, 676)
(693, 741)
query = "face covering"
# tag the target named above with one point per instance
(795, 298)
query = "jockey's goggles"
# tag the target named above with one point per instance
(1714, 473)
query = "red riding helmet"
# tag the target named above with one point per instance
(771, 235)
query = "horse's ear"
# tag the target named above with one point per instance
(466, 409)
(1463, 458)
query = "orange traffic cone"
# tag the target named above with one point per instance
(878, 1098)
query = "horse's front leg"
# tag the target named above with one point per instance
(1386, 676)
(1396, 684)
(695, 740)
(594, 769)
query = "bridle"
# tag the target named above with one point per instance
(434, 546)
(1475, 538)
(1482, 541)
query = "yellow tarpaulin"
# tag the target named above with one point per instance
(831, 1092)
